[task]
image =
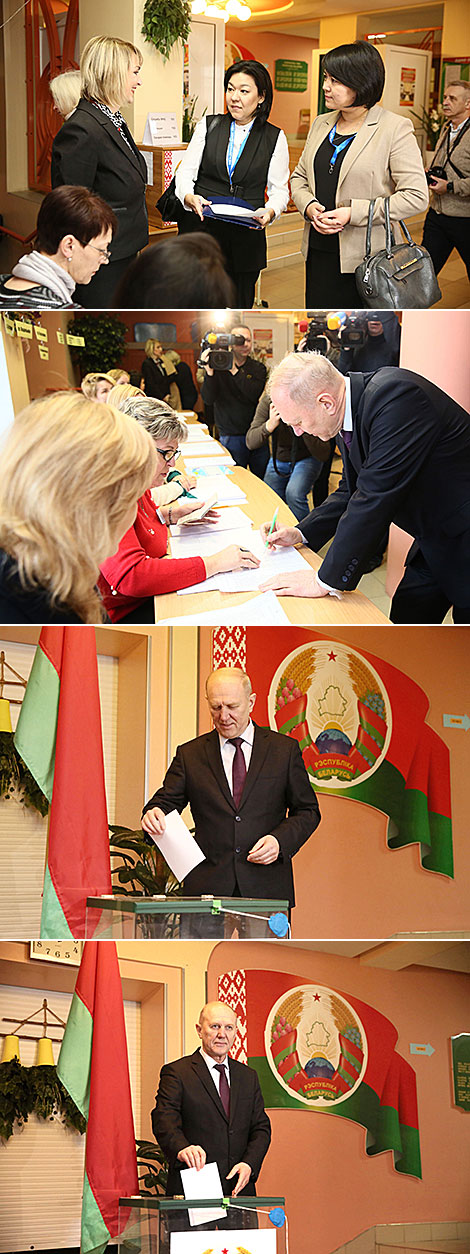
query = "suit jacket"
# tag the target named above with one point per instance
(408, 463)
(189, 1111)
(276, 781)
(89, 151)
(383, 160)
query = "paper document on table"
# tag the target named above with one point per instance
(260, 611)
(228, 492)
(188, 545)
(203, 449)
(178, 847)
(273, 562)
(197, 430)
(208, 465)
(201, 1184)
(230, 519)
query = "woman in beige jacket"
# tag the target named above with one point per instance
(355, 154)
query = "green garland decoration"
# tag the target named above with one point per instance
(15, 778)
(34, 1090)
(166, 22)
(105, 342)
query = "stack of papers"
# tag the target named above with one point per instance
(261, 611)
(228, 492)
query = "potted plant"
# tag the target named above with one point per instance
(165, 23)
(430, 121)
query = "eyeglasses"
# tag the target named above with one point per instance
(104, 252)
(167, 453)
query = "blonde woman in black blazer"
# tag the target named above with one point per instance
(95, 149)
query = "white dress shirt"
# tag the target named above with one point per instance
(211, 1064)
(227, 751)
(278, 169)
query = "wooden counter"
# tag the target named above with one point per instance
(353, 609)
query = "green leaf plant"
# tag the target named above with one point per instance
(166, 22)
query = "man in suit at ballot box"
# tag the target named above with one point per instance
(250, 795)
(209, 1109)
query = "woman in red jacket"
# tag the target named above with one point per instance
(140, 570)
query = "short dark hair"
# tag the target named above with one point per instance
(360, 67)
(261, 77)
(72, 211)
(179, 272)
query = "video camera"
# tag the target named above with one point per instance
(220, 344)
(352, 326)
(436, 172)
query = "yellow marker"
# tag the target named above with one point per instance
(273, 524)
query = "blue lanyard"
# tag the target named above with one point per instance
(231, 161)
(337, 148)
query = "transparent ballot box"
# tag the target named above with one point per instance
(164, 1225)
(187, 918)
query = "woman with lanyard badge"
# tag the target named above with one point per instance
(237, 155)
(362, 153)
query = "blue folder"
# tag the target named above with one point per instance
(228, 217)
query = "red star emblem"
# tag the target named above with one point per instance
(332, 657)
(316, 997)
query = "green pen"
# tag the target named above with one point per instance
(271, 529)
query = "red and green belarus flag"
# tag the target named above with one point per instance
(361, 726)
(319, 1049)
(59, 737)
(93, 1067)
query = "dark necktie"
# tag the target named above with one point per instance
(238, 770)
(347, 437)
(224, 1087)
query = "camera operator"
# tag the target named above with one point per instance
(447, 222)
(380, 347)
(235, 393)
(296, 461)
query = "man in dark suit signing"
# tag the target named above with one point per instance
(250, 797)
(210, 1109)
(405, 446)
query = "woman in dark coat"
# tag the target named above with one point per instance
(95, 149)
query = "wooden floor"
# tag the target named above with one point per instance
(284, 288)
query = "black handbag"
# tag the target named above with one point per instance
(168, 203)
(400, 276)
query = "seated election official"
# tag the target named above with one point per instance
(140, 570)
(238, 155)
(73, 235)
(405, 447)
(209, 1109)
(250, 795)
(72, 472)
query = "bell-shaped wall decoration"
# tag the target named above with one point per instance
(44, 1055)
(5, 720)
(11, 1048)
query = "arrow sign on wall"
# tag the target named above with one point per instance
(421, 1049)
(459, 721)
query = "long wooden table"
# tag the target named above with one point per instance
(353, 609)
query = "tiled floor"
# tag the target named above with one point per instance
(285, 288)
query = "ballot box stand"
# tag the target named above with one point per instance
(186, 918)
(162, 1225)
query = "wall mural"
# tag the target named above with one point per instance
(361, 726)
(316, 1048)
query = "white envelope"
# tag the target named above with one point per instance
(178, 846)
(201, 1184)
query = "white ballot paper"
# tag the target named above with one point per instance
(273, 562)
(201, 1184)
(178, 847)
(254, 1241)
(261, 611)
